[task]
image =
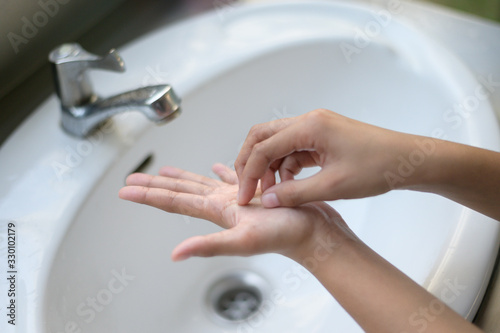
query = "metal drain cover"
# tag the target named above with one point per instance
(238, 304)
(236, 296)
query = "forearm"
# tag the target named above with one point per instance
(465, 174)
(381, 298)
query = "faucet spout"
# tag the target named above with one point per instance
(158, 103)
(82, 109)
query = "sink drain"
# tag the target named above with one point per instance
(238, 304)
(236, 296)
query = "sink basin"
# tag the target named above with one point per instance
(100, 264)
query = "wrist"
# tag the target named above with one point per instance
(329, 234)
(416, 165)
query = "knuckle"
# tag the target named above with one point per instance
(149, 181)
(176, 185)
(255, 130)
(170, 200)
(317, 117)
(144, 195)
(238, 164)
(261, 132)
(260, 150)
(318, 123)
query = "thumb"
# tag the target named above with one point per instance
(226, 242)
(292, 193)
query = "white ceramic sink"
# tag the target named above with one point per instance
(93, 263)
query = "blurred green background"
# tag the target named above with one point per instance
(486, 8)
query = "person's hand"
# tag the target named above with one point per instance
(356, 159)
(251, 229)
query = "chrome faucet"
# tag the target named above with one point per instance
(83, 110)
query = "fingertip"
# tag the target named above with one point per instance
(181, 252)
(218, 167)
(193, 246)
(226, 242)
(132, 178)
(128, 193)
(122, 193)
(180, 257)
(168, 171)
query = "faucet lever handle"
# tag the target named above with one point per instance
(111, 62)
(74, 55)
(70, 63)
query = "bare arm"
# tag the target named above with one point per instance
(360, 160)
(377, 295)
(381, 298)
(465, 174)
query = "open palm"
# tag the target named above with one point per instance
(251, 229)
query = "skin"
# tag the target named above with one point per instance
(251, 229)
(359, 160)
(355, 160)
(378, 296)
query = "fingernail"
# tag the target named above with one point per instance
(270, 200)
